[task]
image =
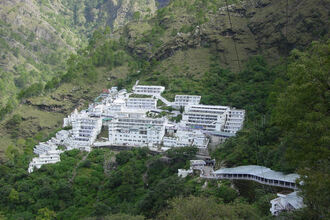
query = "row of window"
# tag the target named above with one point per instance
(204, 111)
(249, 176)
(213, 117)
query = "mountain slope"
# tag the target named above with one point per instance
(32, 48)
(258, 27)
(36, 37)
(189, 47)
(179, 52)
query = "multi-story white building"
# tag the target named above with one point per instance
(186, 138)
(205, 117)
(68, 120)
(148, 90)
(141, 103)
(184, 100)
(43, 148)
(234, 121)
(85, 130)
(96, 110)
(138, 131)
(52, 156)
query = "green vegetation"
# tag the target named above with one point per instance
(131, 183)
(287, 110)
(36, 39)
(195, 208)
(290, 132)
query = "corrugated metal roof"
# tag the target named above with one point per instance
(259, 171)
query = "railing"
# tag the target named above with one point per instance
(261, 180)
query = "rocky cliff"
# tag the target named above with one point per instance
(266, 27)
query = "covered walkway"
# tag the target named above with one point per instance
(255, 173)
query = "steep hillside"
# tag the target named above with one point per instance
(177, 48)
(34, 44)
(268, 28)
(36, 37)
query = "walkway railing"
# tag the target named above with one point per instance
(289, 184)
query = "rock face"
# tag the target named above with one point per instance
(163, 3)
(264, 27)
(127, 9)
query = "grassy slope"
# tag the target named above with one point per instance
(36, 40)
(36, 37)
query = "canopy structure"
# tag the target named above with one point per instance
(259, 174)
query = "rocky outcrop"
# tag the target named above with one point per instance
(258, 27)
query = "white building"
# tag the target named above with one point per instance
(184, 100)
(137, 131)
(186, 138)
(96, 110)
(205, 117)
(197, 164)
(52, 156)
(129, 125)
(286, 203)
(62, 135)
(43, 148)
(148, 90)
(234, 121)
(184, 173)
(85, 130)
(141, 103)
(71, 118)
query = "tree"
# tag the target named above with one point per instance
(13, 196)
(123, 157)
(302, 112)
(137, 16)
(45, 214)
(196, 208)
(120, 216)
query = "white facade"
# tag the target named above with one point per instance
(141, 103)
(286, 203)
(71, 118)
(184, 173)
(96, 110)
(234, 121)
(136, 131)
(43, 148)
(205, 117)
(47, 158)
(184, 100)
(148, 90)
(85, 130)
(186, 138)
(197, 164)
(128, 124)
